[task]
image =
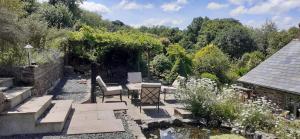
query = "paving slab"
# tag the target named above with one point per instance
(100, 107)
(90, 118)
(94, 126)
(58, 112)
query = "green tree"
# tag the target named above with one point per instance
(56, 15)
(182, 61)
(72, 5)
(235, 41)
(212, 60)
(160, 66)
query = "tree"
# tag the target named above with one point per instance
(235, 41)
(56, 15)
(72, 5)
(160, 66)
(182, 61)
(90, 18)
(212, 60)
(212, 28)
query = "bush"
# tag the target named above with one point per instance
(257, 115)
(160, 66)
(210, 76)
(202, 98)
(211, 59)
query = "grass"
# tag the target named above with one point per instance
(227, 136)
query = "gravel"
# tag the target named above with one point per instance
(72, 87)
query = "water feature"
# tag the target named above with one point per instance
(185, 132)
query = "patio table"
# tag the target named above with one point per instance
(133, 87)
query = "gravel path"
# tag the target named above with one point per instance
(72, 87)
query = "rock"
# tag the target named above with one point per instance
(177, 122)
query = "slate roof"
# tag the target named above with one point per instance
(281, 71)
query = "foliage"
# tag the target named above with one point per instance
(72, 5)
(235, 41)
(211, 59)
(257, 115)
(173, 34)
(209, 76)
(160, 66)
(182, 61)
(91, 19)
(98, 41)
(203, 99)
(251, 60)
(57, 15)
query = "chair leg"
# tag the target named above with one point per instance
(140, 107)
(121, 97)
(103, 99)
(128, 92)
(165, 96)
(158, 107)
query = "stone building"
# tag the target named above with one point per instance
(278, 77)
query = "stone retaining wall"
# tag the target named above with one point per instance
(276, 96)
(41, 77)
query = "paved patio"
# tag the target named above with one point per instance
(149, 112)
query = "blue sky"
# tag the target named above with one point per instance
(179, 13)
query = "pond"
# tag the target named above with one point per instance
(187, 132)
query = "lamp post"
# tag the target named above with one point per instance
(28, 48)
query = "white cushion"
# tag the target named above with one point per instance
(151, 85)
(168, 89)
(101, 83)
(134, 77)
(114, 90)
(178, 80)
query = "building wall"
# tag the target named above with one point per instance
(41, 77)
(281, 98)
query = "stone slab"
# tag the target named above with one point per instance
(92, 120)
(11, 93)
(58, 112)
(100, 107)
(6, 82)
(94, 126)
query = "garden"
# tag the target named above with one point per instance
(210, 53)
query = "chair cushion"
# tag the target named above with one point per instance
(168, 89)
(114, 90)
(101, 83)
(178, 81)
(134, 77)
(151, 85)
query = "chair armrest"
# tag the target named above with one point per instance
(112, 84)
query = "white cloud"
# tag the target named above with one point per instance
(158, 22)
(174, 6)
(94, 7)
(267, 7)
(216, 6)
(284, 22)
(238, 11)
(131, 5)
(241, 2)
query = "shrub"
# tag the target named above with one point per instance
(211, 59)
(210, 76)
(202, 98)
(257, 115)
(160, 66)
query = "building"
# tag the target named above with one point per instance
(278, 77)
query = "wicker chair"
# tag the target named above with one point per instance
(109, 90)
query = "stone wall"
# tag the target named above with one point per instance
(277, 96)
(41, 77)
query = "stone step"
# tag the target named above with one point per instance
(17, 95)
(185, 114)
(35, 106)
(22, 119)
(6, 82)
(55, 119)
(101, 107)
